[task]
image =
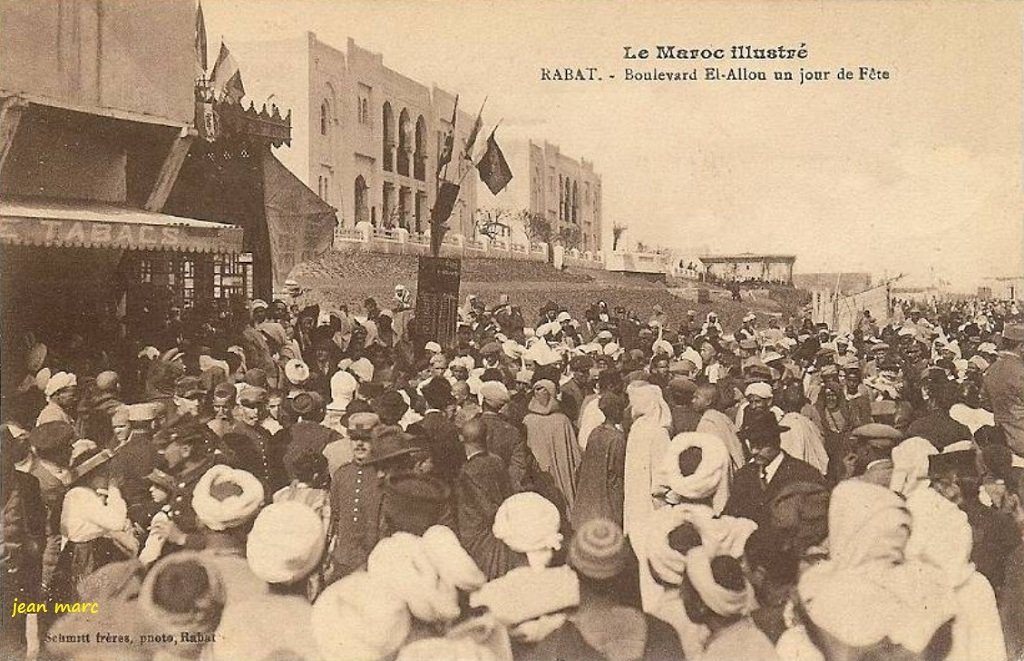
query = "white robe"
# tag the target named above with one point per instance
(804, 440)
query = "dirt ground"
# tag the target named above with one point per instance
(340, 279)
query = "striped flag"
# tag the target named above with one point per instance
(493, 168)
(449, 140)
(226, 79)
(201, 57)
(475, 131)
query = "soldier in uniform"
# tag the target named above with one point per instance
(250, 446)
(185, 450)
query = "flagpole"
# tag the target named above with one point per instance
(463, 176)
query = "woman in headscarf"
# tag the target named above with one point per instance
(551, 438)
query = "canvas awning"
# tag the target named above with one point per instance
(59, 224)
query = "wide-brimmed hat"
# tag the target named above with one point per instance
(414, 502)
(307, 403)
(1013, 332)
(390, 444)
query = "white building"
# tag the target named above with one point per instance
(364, 136)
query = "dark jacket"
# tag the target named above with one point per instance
(441, 438)
(749, 499)
(508, 443)
(252, 449)
(24, 536)
(482, 487)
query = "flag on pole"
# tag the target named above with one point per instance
(475, 131)
(493, 168)
(201, 57)
(447, 194)
(226, 79)
(449, 140)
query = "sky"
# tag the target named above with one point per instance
(920, 174)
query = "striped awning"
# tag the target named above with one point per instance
(58, 224)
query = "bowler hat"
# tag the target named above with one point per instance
(414, 502)
(760, 425)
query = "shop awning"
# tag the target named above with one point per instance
(95, 225)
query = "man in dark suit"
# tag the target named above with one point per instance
(437, 433)
(504, 439)
(770, 469)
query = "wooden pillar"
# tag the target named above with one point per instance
(169, 171)
(11, 110)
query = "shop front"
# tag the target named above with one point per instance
(99, 268)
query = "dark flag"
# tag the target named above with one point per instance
(226, 79)
(446, 196)
(449, 140)
(493, 168)
(201, 57)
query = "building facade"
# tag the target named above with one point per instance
(546, 181)
(749, 268)
(365, 137)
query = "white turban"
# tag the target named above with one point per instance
(358, 618)
(528, 523)
(718, 598)
(454, 565)
(400, 562)
(940, 535)
(58, 382)
(759, 389)
(296, 371)
(906, 603)
(362, 369)
(910, 465)
(286, 542)
(662, 346)
(343, 389)
(866, 523)
(710, 480)
(693, 356)
(232, 511)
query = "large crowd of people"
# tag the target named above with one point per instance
(291, 482)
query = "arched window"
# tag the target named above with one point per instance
(575, 202)
(389, 137)
(404, 142)
(360, 199)
(420, 150)
(561, 198)
(325, 117)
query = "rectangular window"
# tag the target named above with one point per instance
(232, 276)
(145, 270)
